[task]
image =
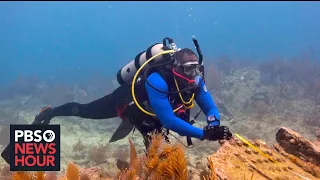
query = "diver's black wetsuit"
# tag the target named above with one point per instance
(102, 108)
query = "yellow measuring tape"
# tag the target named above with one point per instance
(264, 154)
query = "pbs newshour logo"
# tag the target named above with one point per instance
(35, 147)
(30, 136)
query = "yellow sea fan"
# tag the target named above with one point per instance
(128, 174)
(72, 172)
(151, 164)
(174, 166)
(133, 153)
(131, 173)
(213, 175)
(167, 150)
(138, 166)
(156, 141)
(22, 176)
(40, 175)
(162, 161)
(152, 159)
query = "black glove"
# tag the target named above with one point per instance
(214, 133)
(45, 115)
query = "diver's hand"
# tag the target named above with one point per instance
(45, 115)
(214, 133)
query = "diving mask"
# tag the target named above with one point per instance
(189, 74)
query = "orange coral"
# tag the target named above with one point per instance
(133, 153)
(213, 175)
(28, 175)
(163, 161)
(72, 172)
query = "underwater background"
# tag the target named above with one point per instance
(263, 60)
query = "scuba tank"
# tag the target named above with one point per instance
(126, 73)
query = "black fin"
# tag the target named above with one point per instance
(122, 131)
(6, 154)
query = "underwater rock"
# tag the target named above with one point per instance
(297, 145)
(232, 161)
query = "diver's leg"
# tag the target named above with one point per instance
(103, 108)
(146, 140)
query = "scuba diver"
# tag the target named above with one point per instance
(162, 104)
(158, 100)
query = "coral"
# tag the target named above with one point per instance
(79, 151)
(162, 161)
(72, 172)
(133, 153)
(234, 160)
(212, 175)
(122, 153)
(28, 176)
(78, 146)
(98, 154)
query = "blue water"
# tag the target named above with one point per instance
(74, 40)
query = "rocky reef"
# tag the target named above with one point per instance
(292, 157)
(256, 102)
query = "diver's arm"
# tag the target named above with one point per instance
(163, 110)
(207, 104)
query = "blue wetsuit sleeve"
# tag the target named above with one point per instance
(160, 104)
(207, 104)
